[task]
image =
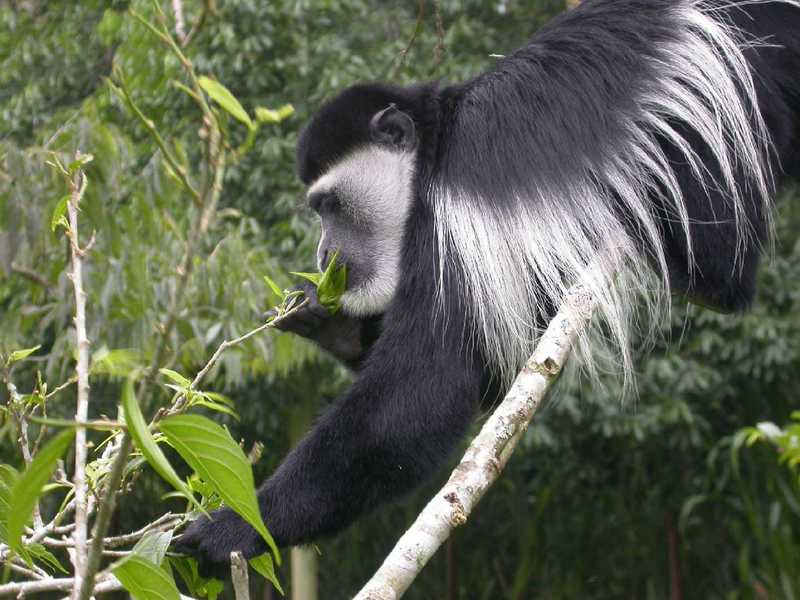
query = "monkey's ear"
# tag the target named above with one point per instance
(393, 127)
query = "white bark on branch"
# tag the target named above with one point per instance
(180, 25)
(26, 588)
(486, 456)
(77, 188)
(239, 576)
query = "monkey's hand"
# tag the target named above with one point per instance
(212, 541)
(306, 320)
(346, 338)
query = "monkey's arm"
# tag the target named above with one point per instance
(393, 428)
(348, 339)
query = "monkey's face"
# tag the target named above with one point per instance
(363, 203)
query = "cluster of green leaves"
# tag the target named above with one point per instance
(222, 471)
(785, 439)
(19, 494)
(330, 284)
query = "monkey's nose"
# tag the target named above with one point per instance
(323, 259)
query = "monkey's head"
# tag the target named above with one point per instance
(357, 156)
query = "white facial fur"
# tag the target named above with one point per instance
(375, 188)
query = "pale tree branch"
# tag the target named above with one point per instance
(26, 588)
(180, 24)
(239, 576)
(77, 188)
(486, 456)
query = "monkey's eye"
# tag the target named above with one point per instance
(324, 203)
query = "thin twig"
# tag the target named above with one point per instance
(439, 49)
(178, 405)
(52, 526)
(208, 8)
(165, 522)
(99, 424)
(417, 27)
(179, 402)
(30, 274)
(179, 171)
(22, 570)
(61, 387)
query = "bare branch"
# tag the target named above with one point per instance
(26, 588)
(401, 59)
(15, 566)
(208, 8)
(439, 48)
(163, 523)
(77, 188)
(180, 25)
(486, 456)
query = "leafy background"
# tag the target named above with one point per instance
(643, 499)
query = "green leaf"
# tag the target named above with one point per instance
(42, 554)
(153, 546)
(222, 96)
(197, 586)
(120, 362)
(8, 477)
(176, 377)
(59, 212)
(62, 222)
(145, 580)
(219, 398)
(263, 565)
(211, 405)
(26, 489)
(18, 355)
(146, 443)
(276, 289)
(312, 277)
(268, 115)
(212, 588)
(80, 160)
(332, 285)
(217, 458)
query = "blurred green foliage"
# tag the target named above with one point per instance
(604, 500)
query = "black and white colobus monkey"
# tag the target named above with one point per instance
(649, 134)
